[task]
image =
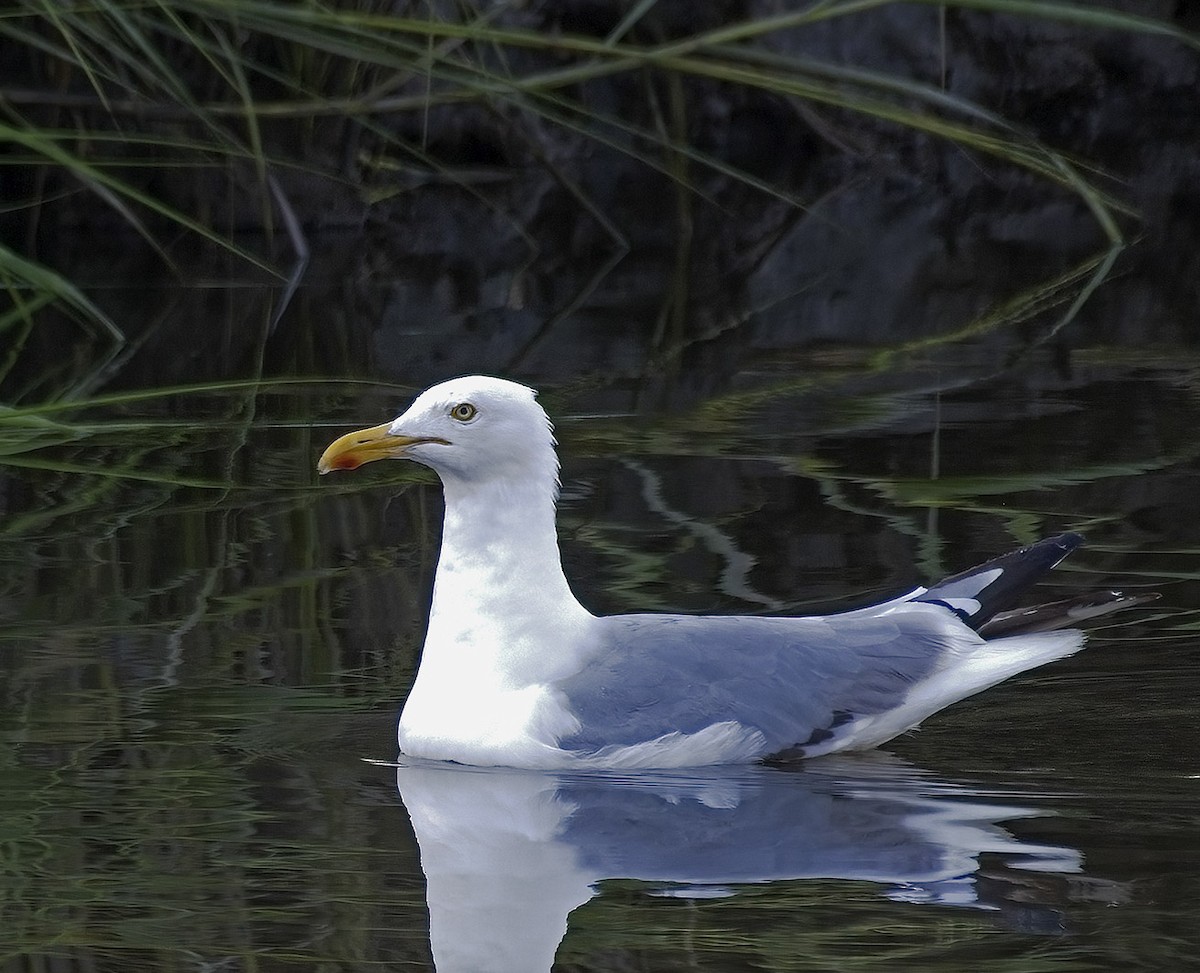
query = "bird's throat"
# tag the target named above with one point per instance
(500, 600)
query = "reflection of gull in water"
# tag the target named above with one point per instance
(507, 855)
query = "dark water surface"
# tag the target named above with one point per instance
(203, 650)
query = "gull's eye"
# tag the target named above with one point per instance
(463, 412)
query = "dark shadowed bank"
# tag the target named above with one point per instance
(746, 182)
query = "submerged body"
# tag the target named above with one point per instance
(515, 672)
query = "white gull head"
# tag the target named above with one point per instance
(472, 430)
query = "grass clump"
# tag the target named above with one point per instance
(197, 119)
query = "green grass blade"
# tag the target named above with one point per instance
(110, 187)
(45, 282)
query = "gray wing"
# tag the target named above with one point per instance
(795, 680)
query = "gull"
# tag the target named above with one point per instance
(516, 672)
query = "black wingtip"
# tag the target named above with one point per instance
(1065, 543)
(978, 594)
(1063, 614)
(1068, 541)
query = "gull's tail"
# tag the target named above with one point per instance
(984, 597)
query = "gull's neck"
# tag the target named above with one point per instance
(501, 602)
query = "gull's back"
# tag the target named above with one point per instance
(672, 690)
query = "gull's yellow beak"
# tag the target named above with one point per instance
(365, 446)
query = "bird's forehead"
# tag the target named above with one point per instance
(476, 390)
(430, 402)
